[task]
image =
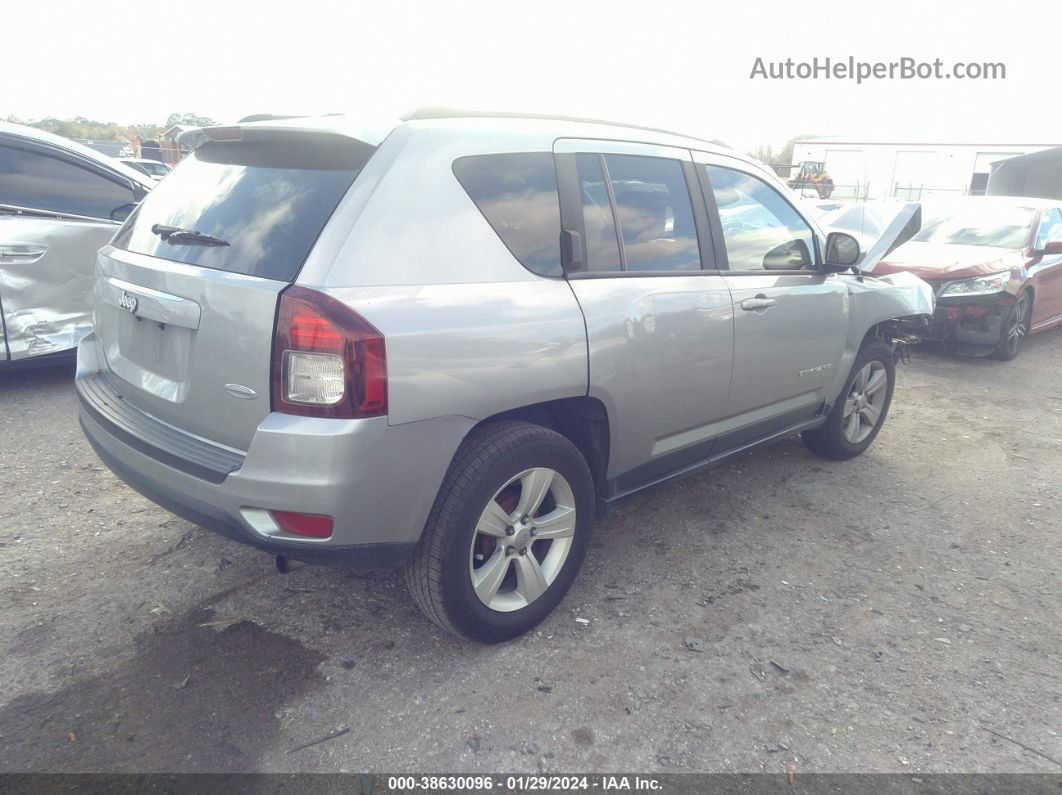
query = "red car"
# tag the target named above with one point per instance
(995, 264)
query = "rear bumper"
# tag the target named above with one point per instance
(376, 481)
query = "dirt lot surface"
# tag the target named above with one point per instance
(899, 612)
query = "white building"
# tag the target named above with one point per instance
(884, 170)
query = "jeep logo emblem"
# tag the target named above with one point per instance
(127, 302)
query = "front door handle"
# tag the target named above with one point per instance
(757, 304)
(22, 254)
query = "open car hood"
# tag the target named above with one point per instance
(876, 298)
(904, 225)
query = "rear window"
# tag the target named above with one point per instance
(268, 199)
(517, 194)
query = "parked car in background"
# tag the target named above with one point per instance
(452, 343)
(153, 168)
(59, 203)
(995, 264)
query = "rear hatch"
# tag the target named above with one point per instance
(185, 323)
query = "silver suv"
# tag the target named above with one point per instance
(450, 343)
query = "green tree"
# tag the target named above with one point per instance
(86, 129)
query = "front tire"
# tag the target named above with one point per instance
(507, 534)
(860, 410)
(1015, 329)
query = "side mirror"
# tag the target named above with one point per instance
(1053, 248)
(790, 256)
(121, 213)
(842, 252)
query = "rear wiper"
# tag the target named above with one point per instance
(177, 236)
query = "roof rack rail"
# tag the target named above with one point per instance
(421, 114)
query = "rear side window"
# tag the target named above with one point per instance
(517, 194)
(599, 224)
(267, 198)
(647, 200)
(654, 212)
(38, 181)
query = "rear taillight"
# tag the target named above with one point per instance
(311, 525)
(328, 361)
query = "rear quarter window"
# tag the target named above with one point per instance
(267, 198)
(517, 194)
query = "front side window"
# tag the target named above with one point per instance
(517, 194)
(38, 181)
(1050, 229)
(761, 229)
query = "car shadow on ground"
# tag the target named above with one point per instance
(35, 376)
(935, 351)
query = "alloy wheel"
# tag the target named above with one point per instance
(1018, 328)
(522, 539)
(866, 398)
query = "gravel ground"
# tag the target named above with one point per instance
(899, 613)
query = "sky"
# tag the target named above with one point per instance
(679, 66)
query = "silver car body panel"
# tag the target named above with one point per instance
(660, 347)
(874, 300)
(774, 366)
(475, 350)
(46, 281)
(311, 465)
(660, 360)
(188, 333)
(470, 333)
(47, 261)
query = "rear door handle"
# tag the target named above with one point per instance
(759, 303)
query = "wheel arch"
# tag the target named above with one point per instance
(582, 420)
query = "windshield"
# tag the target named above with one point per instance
(976, 225)
(264, 201)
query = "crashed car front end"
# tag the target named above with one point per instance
(895, 307)
(899, 304)
(970, 313)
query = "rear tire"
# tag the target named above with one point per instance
(860, 409)
(493, 560)
(1015, 328)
